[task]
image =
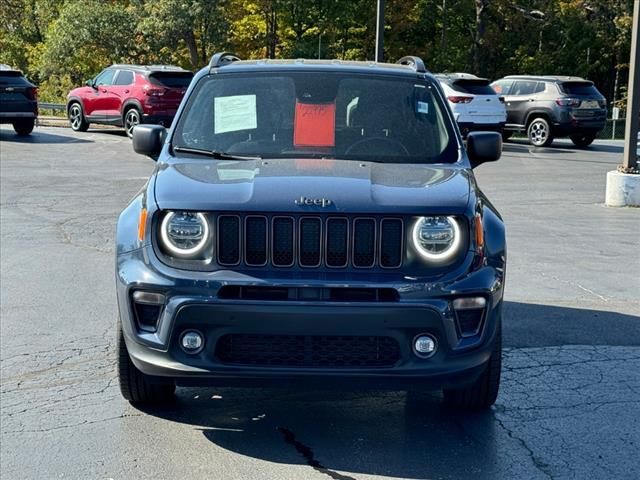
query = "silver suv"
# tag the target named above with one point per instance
(546, 107)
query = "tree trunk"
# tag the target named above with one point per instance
(190, 40)
(272, 32)
(478, 40)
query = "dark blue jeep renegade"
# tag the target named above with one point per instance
(315, 222)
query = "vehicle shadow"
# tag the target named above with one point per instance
(40, 137)
(116, 132)
(398, 434)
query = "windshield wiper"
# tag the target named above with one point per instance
(215, 154)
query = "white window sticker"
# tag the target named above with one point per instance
(423, 107)
(234, 113)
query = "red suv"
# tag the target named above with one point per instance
(127, 95)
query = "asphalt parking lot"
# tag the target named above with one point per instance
(570, 400)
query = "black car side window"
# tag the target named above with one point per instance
(125, 77)
(105, 78)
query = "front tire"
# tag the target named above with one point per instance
(77, 122)
(481, 394)
(132, 118)
(135, 386)
(539, 132)
(582, 141)
(24, 127)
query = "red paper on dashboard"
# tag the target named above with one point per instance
(314, 125)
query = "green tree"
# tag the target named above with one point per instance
(23, 25)
(87, 36)
(196, 26)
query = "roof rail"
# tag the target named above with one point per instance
(414, 62)
(221, 59)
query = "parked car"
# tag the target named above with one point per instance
(282, 240)
(127, 95)
(546, 107)
(18, 100)
(473, 102)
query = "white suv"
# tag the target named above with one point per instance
(473, 102)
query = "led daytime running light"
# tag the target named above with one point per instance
(440, 256)
(183, 252)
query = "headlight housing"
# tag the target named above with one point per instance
(184, 234)
(437, 239)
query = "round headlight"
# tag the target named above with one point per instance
(184, 233)
(436, 238)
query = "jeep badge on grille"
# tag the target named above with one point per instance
(320, 202)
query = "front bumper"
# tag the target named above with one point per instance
(193, 303)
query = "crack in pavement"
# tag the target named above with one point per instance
(308, 455)
(537, 463)
(80, 424)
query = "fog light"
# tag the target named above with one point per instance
(192, 342)
(424, 346)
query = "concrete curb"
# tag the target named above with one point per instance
(62, 122)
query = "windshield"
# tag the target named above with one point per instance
(318, 115)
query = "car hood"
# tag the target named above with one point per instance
(79, 91)
(346, 186)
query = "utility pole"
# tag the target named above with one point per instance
(380, 32)
(630, 160)
(623, 184)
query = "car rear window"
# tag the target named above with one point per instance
(579, 88)
(473, 87)
(171, 79)
(12, 78)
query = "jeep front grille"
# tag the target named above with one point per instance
(307, 241)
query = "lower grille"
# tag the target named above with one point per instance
(308, 351)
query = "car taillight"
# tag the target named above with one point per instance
(32, 93)
(568, 102)
(154, 92)
(459, 99)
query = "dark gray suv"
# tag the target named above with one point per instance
(546, 107)
(312, 222)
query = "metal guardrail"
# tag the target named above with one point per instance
(52, 106)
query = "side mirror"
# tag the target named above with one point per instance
(148, 140)
(483, 147)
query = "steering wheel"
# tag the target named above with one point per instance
(385, 146)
